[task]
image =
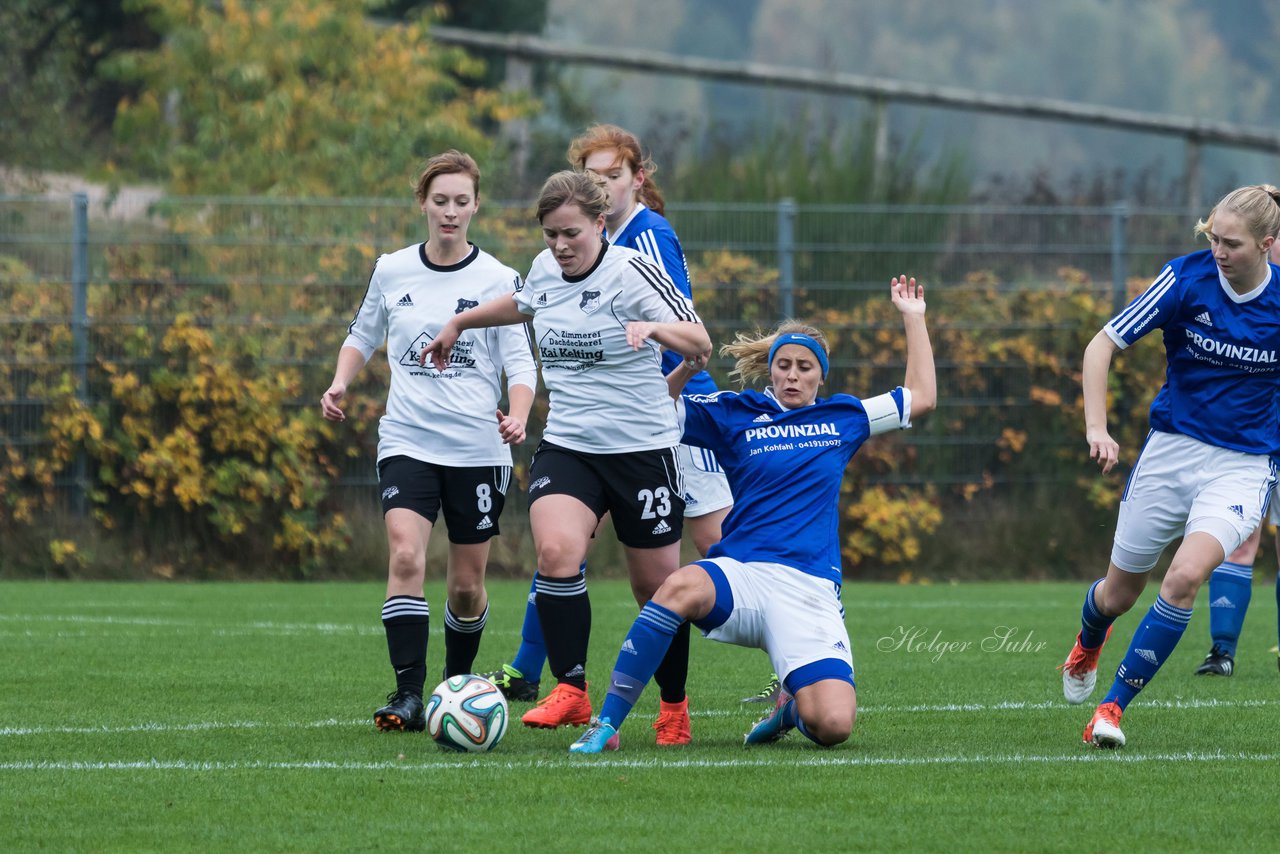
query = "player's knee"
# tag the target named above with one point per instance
(465, 597)
(1180, 585)
(558, 558)
(685, 592)
(830, 727)
(406, 563)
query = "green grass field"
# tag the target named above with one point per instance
(237, 717)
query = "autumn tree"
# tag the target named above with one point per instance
(295, 98)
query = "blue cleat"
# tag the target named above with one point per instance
(773, 726)
(599, 737)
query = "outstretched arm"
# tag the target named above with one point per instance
(499, 311)
(921, 379)
(1097, 365)
(685, 337)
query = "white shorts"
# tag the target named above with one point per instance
(1180, 485)
(796, 618)
(1273, 514)
(706, 489)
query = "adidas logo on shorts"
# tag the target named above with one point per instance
(1203, 317)
(1147, 656)
(662, 527)
(1237, 509)
(840, 646)
(405, 300)
(485, 523)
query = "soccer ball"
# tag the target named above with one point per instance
(467, 714)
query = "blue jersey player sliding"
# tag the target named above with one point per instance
(1207, 465)
(784, 451)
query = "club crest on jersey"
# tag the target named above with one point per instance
(464, 304)
(590, 302)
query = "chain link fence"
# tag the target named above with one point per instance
(91, 275)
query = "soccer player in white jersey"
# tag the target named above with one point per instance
(635, 220)
(785, 451)
(443, 442)
(1206, 468)
(1231, 585)
(601, 315)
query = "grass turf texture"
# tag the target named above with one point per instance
(237, 717)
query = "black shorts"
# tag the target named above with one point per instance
(472, 496)
(642, 489)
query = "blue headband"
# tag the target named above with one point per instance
(803, 341)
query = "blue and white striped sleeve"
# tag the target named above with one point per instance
(1152, 309)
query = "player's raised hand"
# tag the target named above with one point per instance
(1103, 449)
(907, 295)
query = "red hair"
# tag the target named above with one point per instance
(613, 138)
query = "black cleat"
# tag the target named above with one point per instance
(1217, 663)
(403, 712)
(512, 684)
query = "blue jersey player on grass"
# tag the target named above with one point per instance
(763, 585)
(1207, 465)
(1231, 588)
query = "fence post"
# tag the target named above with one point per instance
(786, 257)
(1119, 241)
(80, 333)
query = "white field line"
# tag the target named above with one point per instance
(373, 628)
(497, 764)
(746, 714)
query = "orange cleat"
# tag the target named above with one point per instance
(673, 723)
(1080, 671)
(1104, 729)
(564, 706)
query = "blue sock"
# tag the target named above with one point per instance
(641, 653)
(1093, 623)
(1278, 607)
(1152, 644)
(1230, 588)
(532, 654)
(531, 657)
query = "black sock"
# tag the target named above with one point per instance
(461, 640)
(565, 613)
(673, 670)
(407, 620)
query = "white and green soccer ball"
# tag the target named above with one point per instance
(467, 714)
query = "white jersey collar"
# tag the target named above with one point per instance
(640, 206)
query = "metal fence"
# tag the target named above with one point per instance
(89, 273)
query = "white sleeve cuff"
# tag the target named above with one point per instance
(357, 343)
